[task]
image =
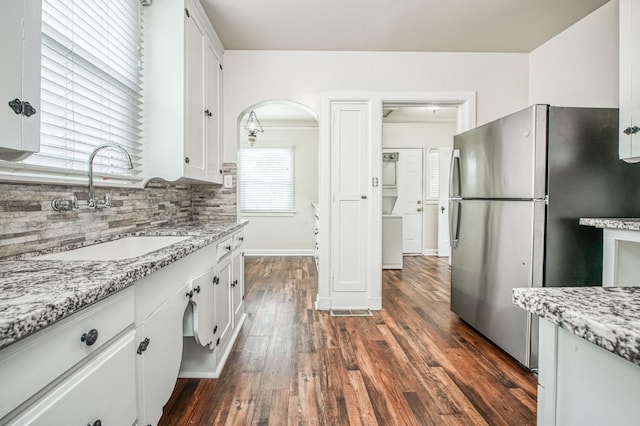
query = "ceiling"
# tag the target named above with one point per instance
(393, 25)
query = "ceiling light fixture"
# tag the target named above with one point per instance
(252, 126)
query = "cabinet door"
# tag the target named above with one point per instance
(222, 295)
(237, 287)
(20, 50)
(203, 309)
(158, 361)
(213, 117)
(630, 80)
(194, 144)
(350, 225)
(104, 390)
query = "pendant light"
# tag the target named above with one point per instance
(252, 126)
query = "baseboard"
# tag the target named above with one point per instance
(430, 252)
(392, 265)
(283, 252)
(323, 303)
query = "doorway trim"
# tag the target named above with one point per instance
(466, 102)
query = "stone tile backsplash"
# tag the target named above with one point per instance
(28, 223)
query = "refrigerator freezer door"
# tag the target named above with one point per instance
(494, 254)
(504, 158)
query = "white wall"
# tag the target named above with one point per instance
(579, 67)
(500, 79)
(289, 235)
(426, 136)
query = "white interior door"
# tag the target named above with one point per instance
(444, 248)
(410, 198)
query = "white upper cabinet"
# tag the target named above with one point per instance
(630, 80)
(20, 83)
(182, 95)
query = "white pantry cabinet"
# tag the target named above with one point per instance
(182, 68)
(20, 83)
(630, 80)
(350, 192)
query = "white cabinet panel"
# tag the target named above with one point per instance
(182, 93)
(202, 302)
(22, 372)
(102, 390)
(194, 144)
(349, 182)
(222, 299)
(630, 80)
(159, 351)
(237, 286)
(20, 52)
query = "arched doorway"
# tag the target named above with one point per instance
(278, 179)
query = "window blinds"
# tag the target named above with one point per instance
(266, 180)
(434, 174)
(90, 86)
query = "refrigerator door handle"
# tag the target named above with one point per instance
(454, 234)
(454, 172)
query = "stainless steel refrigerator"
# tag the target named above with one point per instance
(518, 188)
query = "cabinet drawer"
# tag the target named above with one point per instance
(104, 390)
(32, 363)
(224, 247)
(238, 240)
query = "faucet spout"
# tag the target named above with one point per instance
(95, 202)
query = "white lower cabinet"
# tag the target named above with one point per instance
(101, 392)
(117, 361)
(222, 303)
(203, 319)
(580, 383)
(237, 286)
(159, 351)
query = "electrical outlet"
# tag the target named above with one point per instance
(228, 181)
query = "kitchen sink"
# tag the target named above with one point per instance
(123, 248)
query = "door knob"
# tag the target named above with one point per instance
(419, 209)
(441, 209)
(419, 202)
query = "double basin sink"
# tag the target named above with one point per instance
(120, 249)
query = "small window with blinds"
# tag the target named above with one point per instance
(266, 180)
(434, 174)
(90, 88)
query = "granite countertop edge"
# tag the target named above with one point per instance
(608, 317)
(631, 224)
(36, 293)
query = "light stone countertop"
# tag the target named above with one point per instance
(606, 316)
(36, 293)
(632, 224)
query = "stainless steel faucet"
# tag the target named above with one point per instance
(95, 202)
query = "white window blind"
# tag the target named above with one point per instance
(90, 86)
(434, 174)
(266, 180)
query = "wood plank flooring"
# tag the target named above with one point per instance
(412, 363)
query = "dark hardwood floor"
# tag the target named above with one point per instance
(412, 363)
